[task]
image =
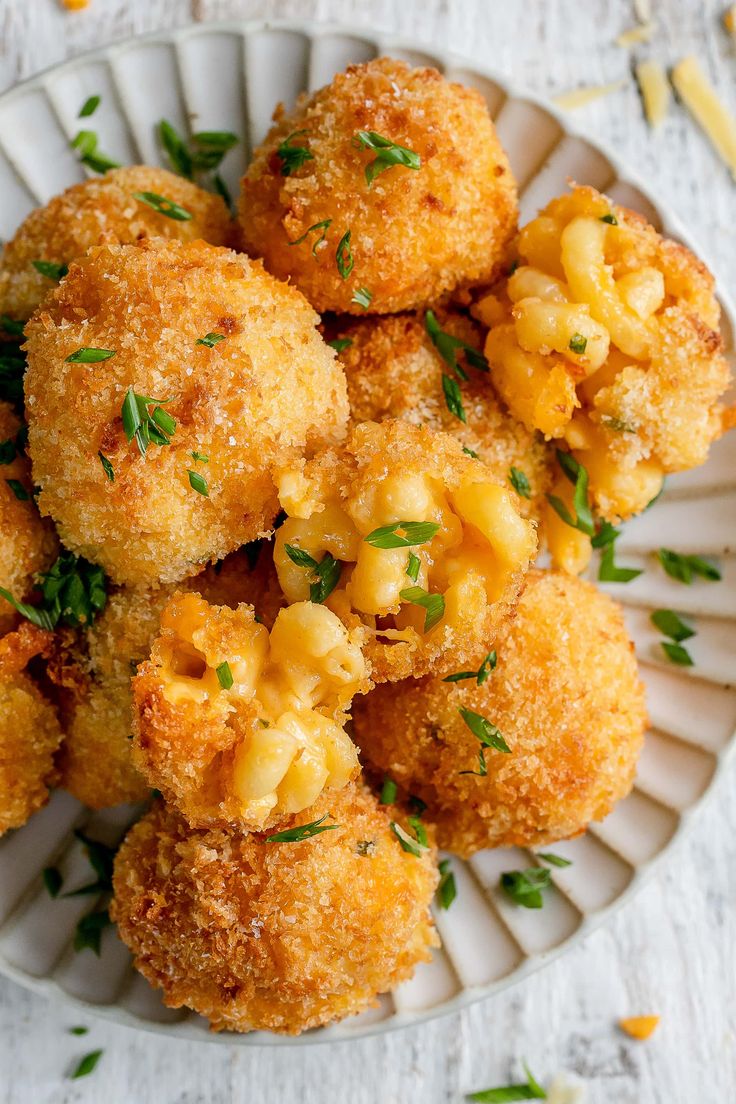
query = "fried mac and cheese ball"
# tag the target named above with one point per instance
(29, 730)
(103, 210)
(215, 371)
(394, 370)
(278, 936)
(413, 233)
(404, 535)
(28, 544)
(566, 698)
(605, 338)
(239, 726)
(95, 762)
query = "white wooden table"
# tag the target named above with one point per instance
(673, 950)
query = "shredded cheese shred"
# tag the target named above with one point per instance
(639, 1027)
(580, 97)
(701, 100)
(655, 91)
(635, 35)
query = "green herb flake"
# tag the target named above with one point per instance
(672, 625)
(433, 604)
(200, 457)
(51, 270)
(326, 573)
(553, 860)
(208, 148)
(446, 890)
(578, 476)
(101, 858)
(480, 676)
(618, 425)
(7, 451)
(448, 347)
(293, 157)
(469, 452)
(340, 344)
(198, 483)
(365, 848)
(146, 426)
(323, 226)
(163, 206)
(453, 397)
(408, 843)
(524, 887)
(345, 261)
(578, 344)
(610, 219)
(610, 572)
(18, 490)
(88, 933)
(388, 792)
(175, 149)
(520, 483)
(79, 1031)
(88, 355)
(402, 534)
(211, 339)
(362, 298)
(484, 730)
(87, 1064)
(304, 831)
(482, 770)
(683, 568)
(677, 654)
(52, 881)
(89, 107)
(86, 145)
(224, 675)
(11, 326)
(73, 593)
(529, 1090)
(413, 565)
(389, 154)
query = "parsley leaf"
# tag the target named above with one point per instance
(388, 154)
(433, 604)
(412, 533)
(524, 887)
(51, 270)
(323, 226)
(304, 831)
(293, 157)
(73, 593)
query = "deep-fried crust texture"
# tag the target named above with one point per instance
(269, 390)
(415, 235)
(102, 211)
(395, 371)
(29, 730)
(275, 936)
(392, 472)
(28, 543)
(567, 698)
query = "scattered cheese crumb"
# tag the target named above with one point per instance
(639, 1027)
(579, 97)
(75, 5)
(643, 10)
(701, 100)
(655, 91)
(729, 20)
(564, 1091)
(635, 35)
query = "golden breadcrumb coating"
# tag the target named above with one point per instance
(275, 936)
(102, 211)
(567, 699)
(28, 542)
(414, 234)
(394, 370)
(605, 337)
(239, 726)
(29, 730)
(472, 566)
(268, 390)
(95, 762)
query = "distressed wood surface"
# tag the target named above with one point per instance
(671, 951)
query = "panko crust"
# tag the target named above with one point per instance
(567, 698)
(29, 543)
(270, 389)
(101, 211)
(394, 371)
(351, 475)
(29, 730)
(275, 936)
(415, 235)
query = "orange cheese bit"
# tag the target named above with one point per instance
(75, 5)
(639, 1027)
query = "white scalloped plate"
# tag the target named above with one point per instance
(487, 942)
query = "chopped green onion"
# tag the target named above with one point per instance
(553, 860)
(577, 475)
(18, 490)
(344, 257)
(293, 157)
(200, 457)
(529, 1090)
(88, 355)
(388, 792)
(683, 568)
(362, 298)
(671, 624)
(412, 846)
(224, 675)
(198, 483)
(304, 831)
(163, 206)
(448, 346)
(107, 467)
(413, 564)
(87, 1064)
(323, 226)
(389, 154)
(446, 890)
(677, 654)
(433, 604)
(340, 344)
(412, 533)
(89, 107)
(520, 483)
(610, 219)
(524, 887)
(88, 933)
(52, 880)
(484, 730)
(469, 452)
(175, 148)
(210, 339)
(453, 397)
(50, 269)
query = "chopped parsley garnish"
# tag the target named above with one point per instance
(484, 730)
(88, 933)
(304, 831)
(198, 483)
(200, 457)
(87, 1065)
(418, 829)
(52, 881)
(683, 568)
(323, 226)
(520, 483)
(411, 533)
(388, 154)
(448, 347)
(224, 675)
(146, 427)
(210, 340)
(18, 490)
(89, 355)
(163, 206)
(610, 219)
(107, 467)
(340, 344)
(344, 257)
(578, 476)
(388, 792)
(446, 890)
(677, 654)
(433, 604)
(85, 143)
(73, 593)
(89, 107)
(672, 625)
(362, 298)
(101, 859)
(293, 157)
(453, 397)
(413, 564)
(51, 270)
(578, 344)
(480, 676)
(524, 887)
(553, 860)
(327, 571)
(413, 845)
(529, 1090)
